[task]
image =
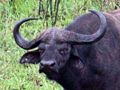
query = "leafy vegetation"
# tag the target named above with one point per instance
(14, 76)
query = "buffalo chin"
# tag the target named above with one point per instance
(51, 74)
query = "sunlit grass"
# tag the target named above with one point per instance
(14, 76)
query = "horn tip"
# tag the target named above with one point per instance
(92, 10)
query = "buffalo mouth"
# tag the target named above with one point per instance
(50, 73)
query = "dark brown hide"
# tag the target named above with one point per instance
(102, 57)
(116, 14)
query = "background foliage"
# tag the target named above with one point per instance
(14, 76)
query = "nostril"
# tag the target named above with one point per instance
(52, 64)
(47, 63)
(41, 64)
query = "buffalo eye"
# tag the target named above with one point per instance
(63, 51)
(41, 50)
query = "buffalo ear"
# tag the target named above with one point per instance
(32, 57)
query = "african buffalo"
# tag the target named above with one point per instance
(83, 56)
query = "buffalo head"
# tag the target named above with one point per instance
(55, 46)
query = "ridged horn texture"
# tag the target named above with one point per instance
(19, 40)
(62, 35)
(76, 38)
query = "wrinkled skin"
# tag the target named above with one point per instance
(85, 66)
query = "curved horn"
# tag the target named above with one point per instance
(18, 38)
(76, 38)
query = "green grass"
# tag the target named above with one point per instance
(14, 76)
